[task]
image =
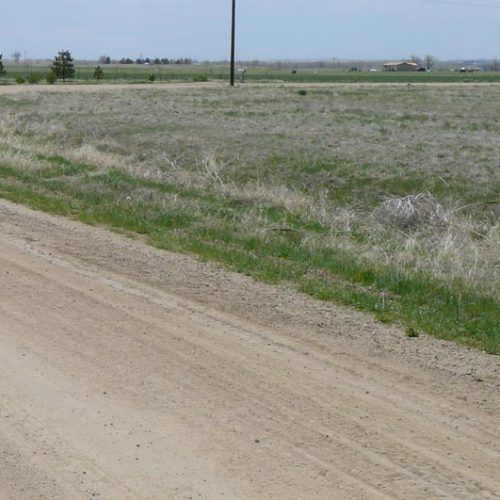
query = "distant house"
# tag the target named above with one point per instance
(400, 66)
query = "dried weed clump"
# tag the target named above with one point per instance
(412, 211)
(211, 170)
(437, 243)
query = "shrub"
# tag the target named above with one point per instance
(200, 78)
(50, 78)
(152, 78)
(35, 78)
(20, 79)
(302, 92)
(98, 73)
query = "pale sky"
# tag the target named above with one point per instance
(267, 29)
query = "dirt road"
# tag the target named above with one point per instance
(126, 372)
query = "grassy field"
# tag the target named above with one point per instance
(179, 73)
(383, 198)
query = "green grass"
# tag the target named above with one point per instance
(173, 72)
(210, 226)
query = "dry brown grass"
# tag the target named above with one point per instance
(384, 168)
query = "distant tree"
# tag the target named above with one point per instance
(156, 60)
(98, 73)
(495, 65)
(2, 70)
(104, 60)
(63, 66)
(16, 56)
(429, 62)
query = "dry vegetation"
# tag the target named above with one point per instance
(399, 180)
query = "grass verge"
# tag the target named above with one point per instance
(278, 248)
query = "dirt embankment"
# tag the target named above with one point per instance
(126, 372)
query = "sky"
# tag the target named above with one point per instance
(266, 29)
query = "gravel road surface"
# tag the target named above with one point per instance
(128, 372)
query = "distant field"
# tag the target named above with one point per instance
(305, 189)
(141, 73)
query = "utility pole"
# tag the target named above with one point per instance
(233, 41)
